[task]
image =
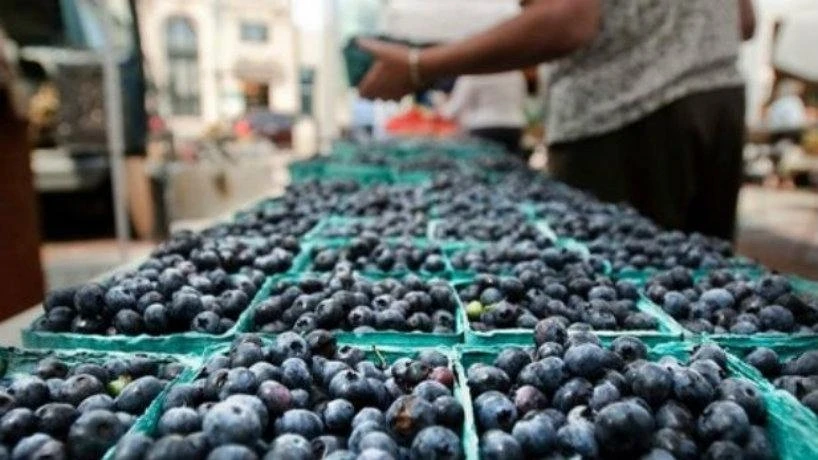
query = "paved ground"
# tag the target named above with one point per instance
(780, 229)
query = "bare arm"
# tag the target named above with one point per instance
(546, 30)
(747, 19)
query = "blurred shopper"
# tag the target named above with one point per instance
(490, 107)
(21, 279)
(786, 121)
(645, 101)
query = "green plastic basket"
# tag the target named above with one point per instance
(790, 426)
(318, 234)
(20, 361)
(183, 342)
(668, 330)
(148, 422)
(447, 272)
(408, 340)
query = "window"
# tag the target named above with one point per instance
(183, 66)
(253, 32)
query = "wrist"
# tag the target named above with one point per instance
(414, 67)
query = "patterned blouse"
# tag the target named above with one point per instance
(648, 53)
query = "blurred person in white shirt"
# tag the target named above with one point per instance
(490, 107)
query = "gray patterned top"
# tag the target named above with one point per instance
(648, 53)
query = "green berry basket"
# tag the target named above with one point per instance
(668, 330)
(791, 427)
(447, 273)
(147, 423)
(17, 361)
(182, 342)
(408, 340)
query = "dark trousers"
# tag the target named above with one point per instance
(680, 166)
(509, 138)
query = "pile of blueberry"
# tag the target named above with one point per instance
(486, 228)
(369, 253)
(63, 411)
(577, 300)
(514, 257)
(587, 219)
(189, 283)
(729, 302)
(798, 375)
(305, 398)
(343, 300)
(574, 397)
(387, 225)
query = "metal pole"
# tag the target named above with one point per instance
(115, 131)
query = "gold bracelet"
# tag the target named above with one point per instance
(414, 67)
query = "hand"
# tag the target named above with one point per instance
(389, 77)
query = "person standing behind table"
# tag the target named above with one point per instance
(645, 103)
(490, 107)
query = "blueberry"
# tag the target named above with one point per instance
(59, 319)
(29, 391)
(179, 420)
(137, 395)
(677, 442)
(133, 446)
(16, 424)
(493, 410)
(710, 351)
(575, 392)
(301, 422)
(623, 427)
(776, 318)
(512, 360)
(368, 414)
(171, 447)
(535, 434)
(765, 360)
(239, 380)
(692, 389)
(550, 330)
(724, 450)
(37, 446)
(55, 418)
(232, 452)
(325, 445)
(156, 319)
(676, 304)
(587, 360)
(528, 398)
(652, 383)
(97, 401)
(338, 415)
(289, 447)
(352, 386)
(604, 393)
(449, 412)
(744, 393)
(229, 422)
(498, 445)
(724, 420)
(758, 445)
(407, 415)
(482, 378)
(93, 433)
(578, 436)
(89, 300)
(48, 368)
(430, 390)
(378, 440)
(436, 443)
(206, 322)
(78, 387)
